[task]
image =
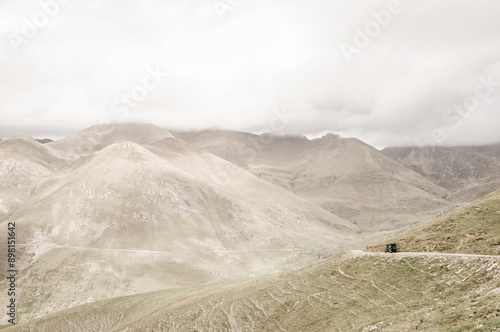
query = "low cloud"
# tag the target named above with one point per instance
(234, 72)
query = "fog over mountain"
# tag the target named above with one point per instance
(426, 72)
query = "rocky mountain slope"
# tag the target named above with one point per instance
(468, 172)
(215, 225)
(123, 218)
(24, 165)
(344, 176)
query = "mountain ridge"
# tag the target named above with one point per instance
(468, 172)
(121, 209)
(123, 219)
(345, 176)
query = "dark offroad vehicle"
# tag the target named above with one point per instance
(391, 247)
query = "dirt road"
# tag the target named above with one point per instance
(358, 253)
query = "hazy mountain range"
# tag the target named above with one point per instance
(123, 209)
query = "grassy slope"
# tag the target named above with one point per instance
(357, 294)
(474, 228)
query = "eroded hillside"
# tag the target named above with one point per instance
(342, 175)
(121, 218)
(468, 172)
(389, 293)
(216, 233)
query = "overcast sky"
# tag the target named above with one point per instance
(390, 73)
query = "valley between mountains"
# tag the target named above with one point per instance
(132, 227)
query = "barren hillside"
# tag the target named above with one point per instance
(354, 291)
(24, 166)
(344, 176)
(468, 172)
(217, 224)
(122, 220)
(99, 136)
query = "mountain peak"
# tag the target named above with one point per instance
(99, 136)
(21, 137)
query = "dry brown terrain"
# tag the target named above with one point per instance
(209, 221)
(353, 292)
(342, 175)
(121, 218)
(468, 172)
